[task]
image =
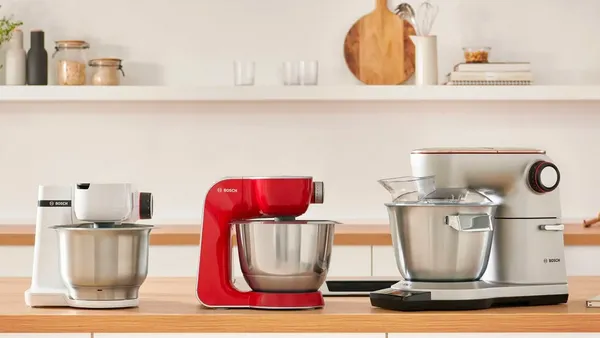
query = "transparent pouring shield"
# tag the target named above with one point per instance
(408, 188)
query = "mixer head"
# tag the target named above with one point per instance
(111, 203)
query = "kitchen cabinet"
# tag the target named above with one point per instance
(346, 261)
(384, 262)
(240, 335)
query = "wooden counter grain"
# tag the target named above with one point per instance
(169, 305)
(349, 233)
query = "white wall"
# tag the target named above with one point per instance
(179, 150)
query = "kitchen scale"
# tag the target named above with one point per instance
(434, 296)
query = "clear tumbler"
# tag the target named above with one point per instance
(243, 73)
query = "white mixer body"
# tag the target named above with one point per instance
(62, 205)
(528, 245)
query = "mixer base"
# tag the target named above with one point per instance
(56, 298)
(407, 296)
(273, 301)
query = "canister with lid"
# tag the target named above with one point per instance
(105, 72)
(71, 62)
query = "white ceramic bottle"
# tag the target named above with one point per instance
(15, 61)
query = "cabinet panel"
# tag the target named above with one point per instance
(384, 262)
(350, 261)
(240, 335)
(578, 260)
(20, 263)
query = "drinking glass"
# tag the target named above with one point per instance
(243, 73)
(291, 73)
(309, 73)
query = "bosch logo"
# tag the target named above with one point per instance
(545, 260)
(551, 260)
(226, 190)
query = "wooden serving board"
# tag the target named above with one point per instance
(378, 50)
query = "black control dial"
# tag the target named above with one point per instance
(146, 205)
(543, 177)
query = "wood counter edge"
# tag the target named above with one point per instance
(168, 305)
(356, 234)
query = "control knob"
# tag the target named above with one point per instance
(543, 177)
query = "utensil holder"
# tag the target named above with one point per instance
(426, 60)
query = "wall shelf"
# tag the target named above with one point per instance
(282, 93)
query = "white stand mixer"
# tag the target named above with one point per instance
(78, 204)
(527, 260)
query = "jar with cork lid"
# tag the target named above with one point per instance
(71, 61)
(106, 72)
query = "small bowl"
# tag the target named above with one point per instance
(476, 54)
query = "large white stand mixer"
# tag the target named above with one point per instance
(527, 261)
(78, 204)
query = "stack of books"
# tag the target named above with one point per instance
(491, 74)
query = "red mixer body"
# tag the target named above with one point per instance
(245, 198)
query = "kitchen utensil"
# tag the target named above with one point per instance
(284, 260)
(243, 73)
(284, 256)
(309, 73)
(406, 12)
(291, 73)
(444, 240)
(476, 54)
(426, 60)
(589, 222)
(408, 188)
(37, 60)
(449, 242)
(103, 263)
(425, 17)
(377, 48)
(86, 254)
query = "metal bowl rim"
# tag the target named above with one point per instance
(284, 222)
(129, 227)
(443, 204)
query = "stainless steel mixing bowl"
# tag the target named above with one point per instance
(442, 241)
(103, 263)
(284, 256)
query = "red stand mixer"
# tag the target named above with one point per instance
(237, 201)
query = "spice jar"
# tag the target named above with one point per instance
(105, 72)
(70, 58)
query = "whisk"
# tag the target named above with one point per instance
(425, 17)
(422, 20)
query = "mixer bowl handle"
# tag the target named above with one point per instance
(469, 222)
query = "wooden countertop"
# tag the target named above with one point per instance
(169, 305)
(348, 233)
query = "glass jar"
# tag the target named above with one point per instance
(105, 72)
(71, 61)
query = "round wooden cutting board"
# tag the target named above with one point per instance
(378, 50)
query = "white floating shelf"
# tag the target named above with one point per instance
(298, 93)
